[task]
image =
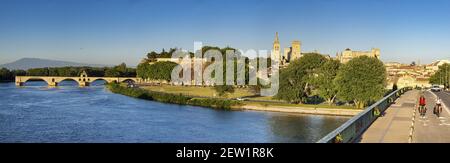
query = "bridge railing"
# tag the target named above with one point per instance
(352, 130)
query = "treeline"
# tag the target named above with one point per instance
(361, 81)
(150, 69)
(172, 98)
(442, 76)
(156, 71)
(117, 71)
(9, 75)
(152, 56)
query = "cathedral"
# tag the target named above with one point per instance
(290, 53)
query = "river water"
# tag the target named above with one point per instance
(67, 113)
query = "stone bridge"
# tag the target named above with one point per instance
(83, 80)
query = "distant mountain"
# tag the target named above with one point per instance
(27, 63)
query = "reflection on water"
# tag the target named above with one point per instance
(292, 128)
(67, 113)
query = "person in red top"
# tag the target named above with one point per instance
(422, 101)
(422, 108)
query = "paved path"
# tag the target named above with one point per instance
(395, 125)
(433, 129)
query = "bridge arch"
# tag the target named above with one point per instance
(27, 80)
(81, 80)
(98, 80)
(123, 80)
(62, 80)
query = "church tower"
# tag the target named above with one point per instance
(276, 54)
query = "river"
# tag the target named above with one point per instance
(69, 114)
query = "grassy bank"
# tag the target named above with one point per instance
(197, 91)
(274, 104)
(172, 98)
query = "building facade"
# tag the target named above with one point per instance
(292, 53)
(348, 54)
(289, 54)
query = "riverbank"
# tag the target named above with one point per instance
(174, 98)
(228, 104)
(304, 110)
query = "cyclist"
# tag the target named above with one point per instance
(438, 107)
(422, 103)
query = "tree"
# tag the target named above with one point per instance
(362, 80)
(442, 76)
(112, 72)
(18, 73)
(295, 79)
(37, 72)
(223, 89)
(324, 84)
(152, 56)
(394, 87)
(120, 71)
(156, 71)
(5, 75)
(122, 68)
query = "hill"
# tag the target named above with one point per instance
(27, 63)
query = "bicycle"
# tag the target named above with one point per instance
(437, 110)
(422, 110)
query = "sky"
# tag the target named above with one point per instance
(115, 31)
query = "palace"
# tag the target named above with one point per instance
(291, 53)
(348, 54)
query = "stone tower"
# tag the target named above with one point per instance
(276, 54)
(296, 50)
(376, 53)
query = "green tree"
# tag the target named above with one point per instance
(152, 56)
(362, 80)
(394, 87)
(122, 68)
(222, 90)
(156, 71)
(18, 73)
(5, 74)
(112, 72)
(323, 82)
(37, 72)
(442, 76)
(120, 71)
(295, 79)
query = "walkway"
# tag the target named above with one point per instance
(395, 125)
(399, 126)
(433, 129)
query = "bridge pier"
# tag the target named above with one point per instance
(84, 84)
(19, 84)
(52, 84)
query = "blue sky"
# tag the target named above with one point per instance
(114, 31)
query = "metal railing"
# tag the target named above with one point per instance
(351, 130)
